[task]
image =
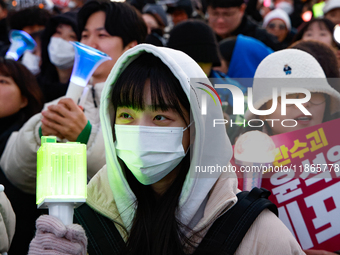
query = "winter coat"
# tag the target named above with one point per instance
(22, 203)
(19, 158)
(249, 28)
(204, 196)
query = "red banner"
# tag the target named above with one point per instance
(307, 189)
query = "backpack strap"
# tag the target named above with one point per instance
(228, 231)
(103, 236)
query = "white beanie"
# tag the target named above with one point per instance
(304, 72)
(277, 14)
(330, 5)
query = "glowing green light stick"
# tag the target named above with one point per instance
(61, 177)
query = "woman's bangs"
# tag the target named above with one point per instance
(166, 91)
(129, 89)
(163, 86)
(4, 70)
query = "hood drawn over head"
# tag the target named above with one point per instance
(211, 146)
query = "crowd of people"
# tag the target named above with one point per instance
(142, 119)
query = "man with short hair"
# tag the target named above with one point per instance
(227, 18)
(111, 28)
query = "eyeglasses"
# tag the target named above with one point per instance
(273, 25)
(316, 98)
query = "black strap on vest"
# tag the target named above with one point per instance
(102, 235)
(227, 231)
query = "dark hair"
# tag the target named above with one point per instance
(3, 5)
(227, 48)
(129, 88)
(48, 73)
(224, 3)
(304, 26)
(197, 39)
(184, 5)
(158, 19)
(28, 17)
(155, 229)
(27, 84)
(122, 20)
(323, 53)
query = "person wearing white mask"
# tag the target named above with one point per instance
(102, 29)
(32, 59)
(149, 198)
(57, 55)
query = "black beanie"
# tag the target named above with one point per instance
(196, 39)
(224, 3)
(181, 4)
(68, 18)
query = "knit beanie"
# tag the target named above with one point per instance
(277, 14)
(196, 39)
(290, 68)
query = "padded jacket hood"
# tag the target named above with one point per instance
(210, 150)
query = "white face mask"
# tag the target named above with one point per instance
(31, 61)
(61, 53)
(149, 152)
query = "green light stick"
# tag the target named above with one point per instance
(61, 177)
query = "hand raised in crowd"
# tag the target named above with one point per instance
(65, 120)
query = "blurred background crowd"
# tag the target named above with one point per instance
(227, 38)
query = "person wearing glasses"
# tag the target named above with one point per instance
(287, 69)
(277, 23)
(227, 18)
(293, 68)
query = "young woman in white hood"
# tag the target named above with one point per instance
(155, 138)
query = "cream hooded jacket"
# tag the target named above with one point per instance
(205, 196)
(19, 159)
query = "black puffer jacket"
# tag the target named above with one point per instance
(250, 28)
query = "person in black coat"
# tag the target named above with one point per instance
(54, 77)
(227, 18)
(20, 98)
